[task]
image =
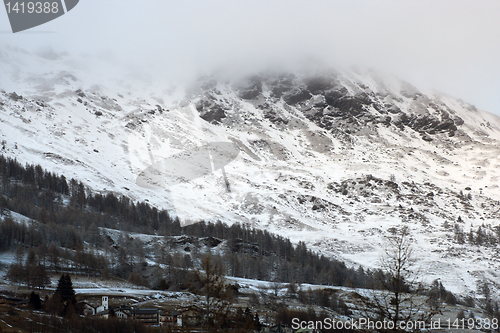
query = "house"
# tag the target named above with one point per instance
(105, 314)
(15, 301)
(148, 316)
(280, 328)
(124, 311)
(84, 309)
(122, 314)
(190, 316)
(170, 318)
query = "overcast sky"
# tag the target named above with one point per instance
(452, 46)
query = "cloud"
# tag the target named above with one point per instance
(453, 46)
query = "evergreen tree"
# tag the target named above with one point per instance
(35, 302)
(65, 289)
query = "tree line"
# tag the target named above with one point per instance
(67, 234)
(69, 216)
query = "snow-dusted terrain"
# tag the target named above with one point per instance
(333, 158)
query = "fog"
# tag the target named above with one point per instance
(451, 46)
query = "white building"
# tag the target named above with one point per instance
(104, 306)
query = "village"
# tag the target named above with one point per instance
(168, 318)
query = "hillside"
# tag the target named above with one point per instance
(334, 158)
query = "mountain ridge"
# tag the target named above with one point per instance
(335, 159)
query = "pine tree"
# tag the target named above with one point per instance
(65, 289)
(35, 302)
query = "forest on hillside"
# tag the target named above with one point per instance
(68, 234)
(71, 227)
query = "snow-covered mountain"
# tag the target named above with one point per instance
(335, 158)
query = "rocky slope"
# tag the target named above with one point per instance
(335, 158)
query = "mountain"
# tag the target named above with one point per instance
(335, 158)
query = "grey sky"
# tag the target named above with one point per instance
(452, 46)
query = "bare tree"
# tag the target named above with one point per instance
(400, 302)
(276, 287)
(216, 293)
